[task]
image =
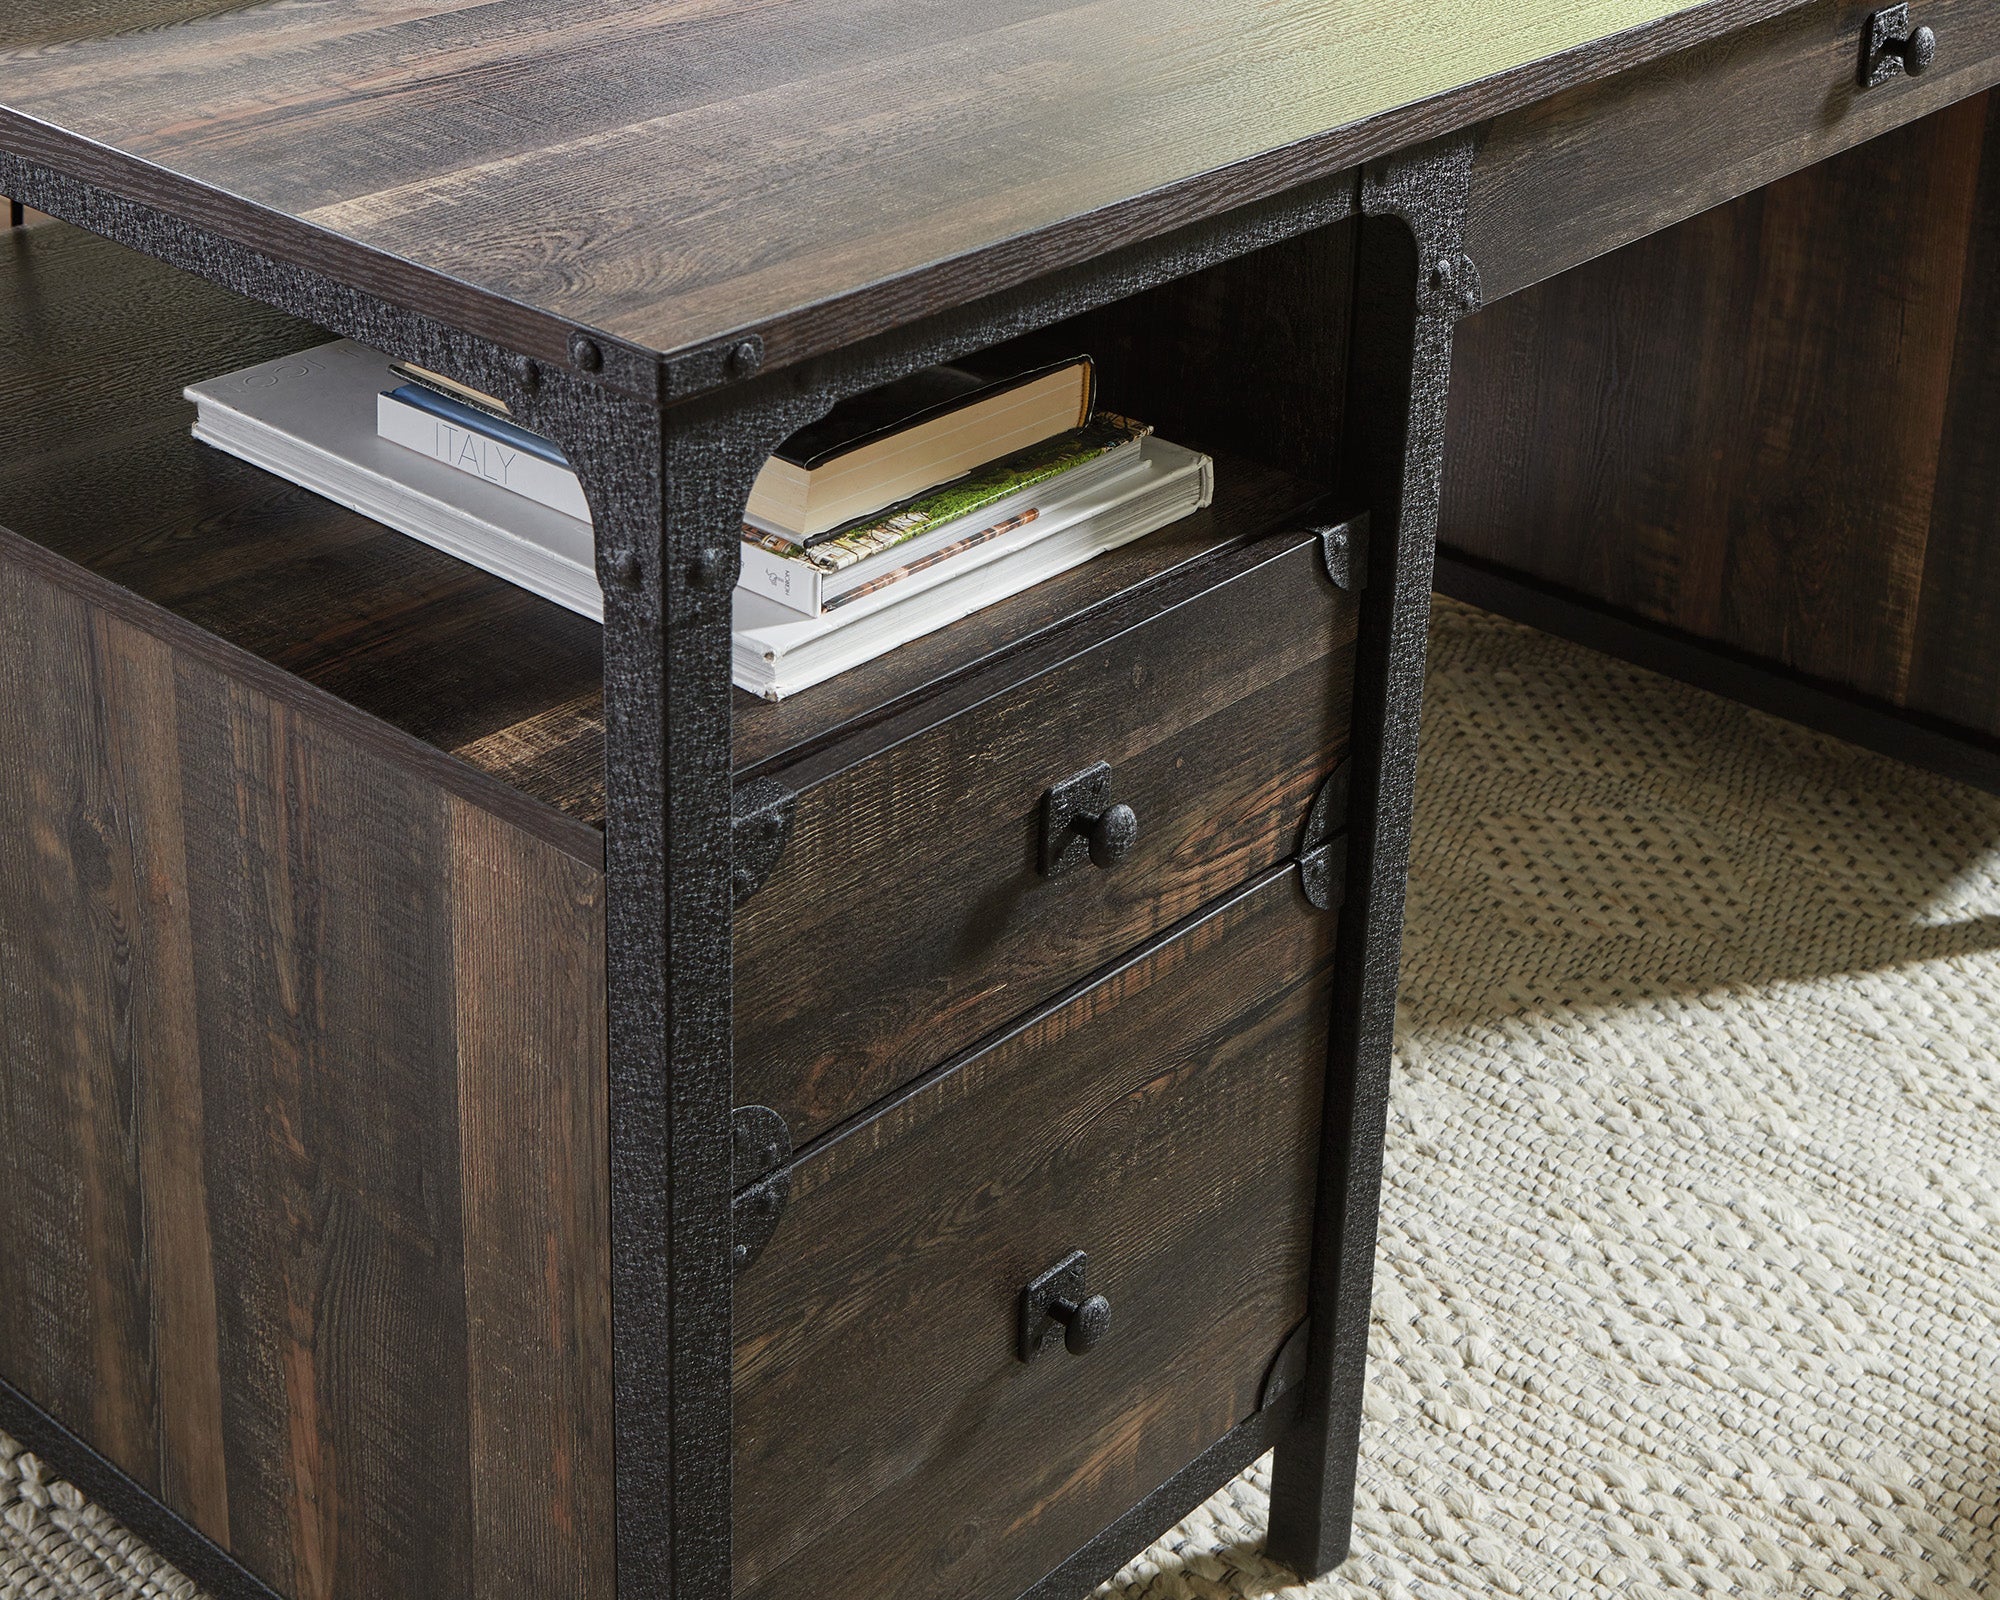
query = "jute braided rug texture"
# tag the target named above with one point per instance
(1689, 1280)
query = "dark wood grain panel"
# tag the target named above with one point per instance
(1165, 1121)
(1589, 170)
(528, 970)
(96, 344)
(1735, 428)
(72, 945)
(290, 1027)
(908, 916)
(100, 343)
(672, 171)
(326, 1015)
(1955, 670)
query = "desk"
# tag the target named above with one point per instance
(437, 1164)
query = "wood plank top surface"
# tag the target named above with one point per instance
(667, 173)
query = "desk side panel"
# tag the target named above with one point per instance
(302, 1125)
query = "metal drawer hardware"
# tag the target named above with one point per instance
(1287, 1370)
(1344, 547)
(1056, 1303)
(1889, 46)
(759, 827)
(1323, 850)
(760, 1144)
(1079, 820)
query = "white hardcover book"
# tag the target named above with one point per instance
(312, 418)
(480, 455)
(776, 652)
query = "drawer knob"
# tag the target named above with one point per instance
(1890, 45)
(1079, 821)
(1059, 1301)
(1112, 835)
(1918, 51)
(1085, 1323)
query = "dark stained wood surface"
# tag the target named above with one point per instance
(1771, 426)
(670, 172)
(1597, 167)
(1166, 1121)
(908, 916)
(98, 344)
(302, 1132)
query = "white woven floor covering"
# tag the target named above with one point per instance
(1689, 1283)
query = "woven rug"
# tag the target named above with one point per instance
(1689, 1280)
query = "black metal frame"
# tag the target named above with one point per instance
(1413, 285)
(666, 480)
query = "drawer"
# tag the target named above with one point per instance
(1584, 172)
(1165, 1121)
(908, 916)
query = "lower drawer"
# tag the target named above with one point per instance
(890, 1441)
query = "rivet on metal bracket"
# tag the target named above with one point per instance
(1287, 1370)
(758, 831)
(709, 367)
(1453, 286)
(760, 1144)
(1323, 850)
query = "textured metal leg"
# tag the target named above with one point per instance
(1413, 285)
(667, 491)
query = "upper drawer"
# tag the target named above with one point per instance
(890, 1441)
(1589, 170)
(909, 916)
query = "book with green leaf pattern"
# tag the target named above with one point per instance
(812, 576)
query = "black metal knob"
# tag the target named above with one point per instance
(1079, 822)
(1085, 1323)
(1889, 46)
(1917, 52)
(1112, 835)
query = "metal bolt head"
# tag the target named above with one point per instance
(744, 358)
(584, 352)
(709, 568)
(626, 569)
(527, 373)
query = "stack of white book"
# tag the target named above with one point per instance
(896, 516)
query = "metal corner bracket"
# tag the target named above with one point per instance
(760, 1145)
(1323, 848)
(760, 826)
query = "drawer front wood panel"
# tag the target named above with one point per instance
(302, 1125)
(908, 917)
(1165, 1121)
(1592, 169)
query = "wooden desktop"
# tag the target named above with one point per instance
(491, 1108)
